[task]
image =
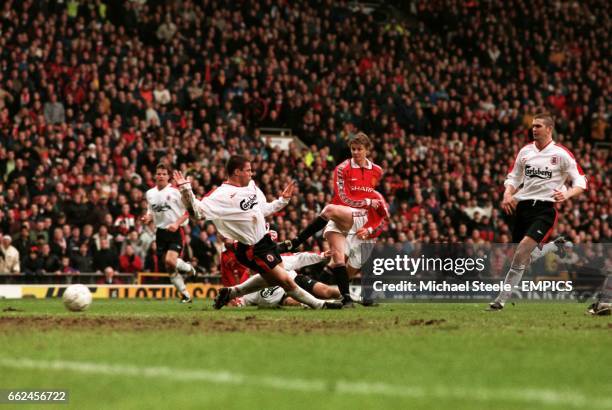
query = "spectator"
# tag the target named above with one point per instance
(54, 111)
(146, 237)
(59, 245)
(67, 268)
(136, 243)
(105, 257)
(101, 236)
(9, 256)
(82, 261)
(204, 251)
(152, 262)
(110, 278)
(74, 241)
(125, 221)
(22, 243)
(129, 262)
(51, 263)
(33, 264)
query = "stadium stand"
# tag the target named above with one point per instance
(94, 93)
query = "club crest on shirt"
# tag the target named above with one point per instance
(554, 160)
(249, 203)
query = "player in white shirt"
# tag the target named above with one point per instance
(238, 209)
(276, 296)
(165, 207)
(534, 184)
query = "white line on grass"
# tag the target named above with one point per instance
(527, 395)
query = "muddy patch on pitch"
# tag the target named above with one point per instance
(11, 309)
(423, 322)
(251, 323)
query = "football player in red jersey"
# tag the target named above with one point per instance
(232, 271)
(356, 209)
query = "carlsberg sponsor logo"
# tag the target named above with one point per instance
(537, 172)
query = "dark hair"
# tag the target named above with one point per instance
(545, 117)
(161, 165)
(235, 162)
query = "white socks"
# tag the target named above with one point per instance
(512, 278)
(306, 298)
(179, 284)
(182, 266)
(537, 253)
(252, 284)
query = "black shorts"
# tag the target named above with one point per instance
(535, 219)
(261, 257)
(169, 241)
(306, 282)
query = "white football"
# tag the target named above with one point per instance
(77, 298)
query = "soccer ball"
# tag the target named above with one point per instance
(77, 298)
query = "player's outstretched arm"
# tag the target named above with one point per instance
(187, 196)
(269, 208)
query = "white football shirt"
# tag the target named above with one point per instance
(537, 173)
(239, 212)
(165, 205)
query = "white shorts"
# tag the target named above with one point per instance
(360, 218)
(356, 250)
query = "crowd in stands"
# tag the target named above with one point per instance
(93, 94)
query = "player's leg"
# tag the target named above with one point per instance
(279, 276)
(337, 265)
(352, 272)
(290, 302)
(552, 246)
(341, 215)
(346, 244)
(535, 228)
(168, 258)
(174, 261)
(521, 259)
(176, 278)
(318, 289)
(175, 265)
(276, 276)
(252, 284)
(358, 251)
(265, 259)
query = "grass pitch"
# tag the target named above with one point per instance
(137, 354)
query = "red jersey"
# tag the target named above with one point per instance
(354, 184)
(377, 217)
